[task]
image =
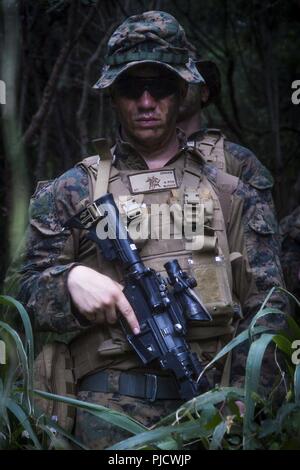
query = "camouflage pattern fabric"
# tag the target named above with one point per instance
(290, 257)
(244, 164)
(49, 259)
(152, 37)
(51, 251)
(261, 226)
(50, 254)
(45, 269)
(241, 162)
(262, 249)
(99, 434)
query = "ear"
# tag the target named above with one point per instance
(204, 93)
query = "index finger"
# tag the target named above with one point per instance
(127, 311)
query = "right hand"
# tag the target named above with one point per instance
(98, 297)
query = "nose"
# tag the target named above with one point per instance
(146, 101)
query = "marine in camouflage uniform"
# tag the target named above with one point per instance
(53, 252)
(241, 162)
(290, 257)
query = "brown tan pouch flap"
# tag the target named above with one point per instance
(53, 373)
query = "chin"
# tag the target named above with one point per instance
(148, 135)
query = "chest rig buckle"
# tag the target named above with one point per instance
(193, 209)
(132, 207)
(191, 196)
(90, 215)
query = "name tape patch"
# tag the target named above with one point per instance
(153, 181)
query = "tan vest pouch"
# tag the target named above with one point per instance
(53, 373)
(207, 260)
(209, 263)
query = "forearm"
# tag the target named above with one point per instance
(48, 301)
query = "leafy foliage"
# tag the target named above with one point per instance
(224, 418)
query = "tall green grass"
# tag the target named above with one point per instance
(213, 420)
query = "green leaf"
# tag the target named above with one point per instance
(24, 421)
(283, 344)
(3, 410)
(23, 359)
(297, 384)
(294, 327)
(289, 294)
(210, 416)
(213, 397)
(11, 370)
(232, 406)
(7, 300)
(114, 417)
(253, 367)
(284, 411)
(260, 314)
(219, 432)
(244, 336)
(29, 348)
(267, 427)
(50, 428)
(186, 431)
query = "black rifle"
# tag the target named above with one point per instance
(162, 312)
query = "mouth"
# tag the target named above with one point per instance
(147, 121)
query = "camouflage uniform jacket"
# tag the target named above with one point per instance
(47, 263)
(241, 162)
(290, 257)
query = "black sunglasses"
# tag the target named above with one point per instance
(158, 87)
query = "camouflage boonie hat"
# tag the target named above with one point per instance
(152, 37)
(212, 76)
(210, 72)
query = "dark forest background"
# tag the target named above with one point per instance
(52, 52)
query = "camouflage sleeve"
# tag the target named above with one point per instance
(290, 256)
(254, 275)
(257, 240)
(241, 162)
(50, 253)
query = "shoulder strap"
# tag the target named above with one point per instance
(211, 145)
(225, 183)
(104, 166)
(89, 163)
(98, 168)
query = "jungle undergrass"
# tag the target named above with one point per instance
(213, 420)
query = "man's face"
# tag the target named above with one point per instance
(192, 104)
(147, 99)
